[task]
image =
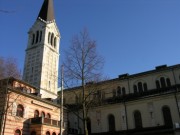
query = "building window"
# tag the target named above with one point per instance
(167, 116)
(163, 83)
(48, 116)
(33, 38)
(137, 119)
(40, 37)
(33, 133)
(123, 91)
(118, 91)
(36, 113)
(157, 84)
(20, 111)
(52, 39)
(49, 37)
(43, 115)
(135, 88)
(47, 133)
(17, 132)
(37, 36)
(140, 87)
(55, 42)
(111, 123)
(114, 93)
(53, 133)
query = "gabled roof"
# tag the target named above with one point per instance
(47, 11)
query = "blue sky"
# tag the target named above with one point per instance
(132, 35)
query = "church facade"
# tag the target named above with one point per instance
(144, 103)
(140, 104)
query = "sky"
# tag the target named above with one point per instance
(133, 36)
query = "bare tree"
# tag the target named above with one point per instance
(82, 65)
(9, 67)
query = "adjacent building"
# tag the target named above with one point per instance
(144, 103)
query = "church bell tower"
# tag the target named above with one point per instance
(42, 53)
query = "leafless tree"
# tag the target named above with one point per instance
(83, 64)
(9, 67)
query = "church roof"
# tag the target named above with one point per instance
(47, 11)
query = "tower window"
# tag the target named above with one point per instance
(49, 37)
(55, 42)
(37, 36)
(52, 39)
(33, 38)
(40, 37)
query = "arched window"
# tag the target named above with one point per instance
(49, 37)
(114, 93)
(33, 133)
(47, 133)
(52, 39)
(40, 37)
(89, 126)
(145, 86)
(42, 114)
(33, 38)
(137, 119)
(118, 91)
(163, 83)
(20, 111)
(53, 133)
(111, 123)
(157, 84)
(135, 88)
(167, 116)
(140, 87)
(168, 82)
(36, 113)
(55, 42)
(17, 132)
(48, 116)
(123, 91)
(37, 36)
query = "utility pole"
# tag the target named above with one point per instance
(62, 87)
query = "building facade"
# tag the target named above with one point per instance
(144, 103)
(24, 112)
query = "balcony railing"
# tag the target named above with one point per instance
(41, 120)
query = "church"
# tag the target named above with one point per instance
(144, 103)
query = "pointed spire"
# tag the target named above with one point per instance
(47, 11)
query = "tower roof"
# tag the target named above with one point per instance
(47, 11)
